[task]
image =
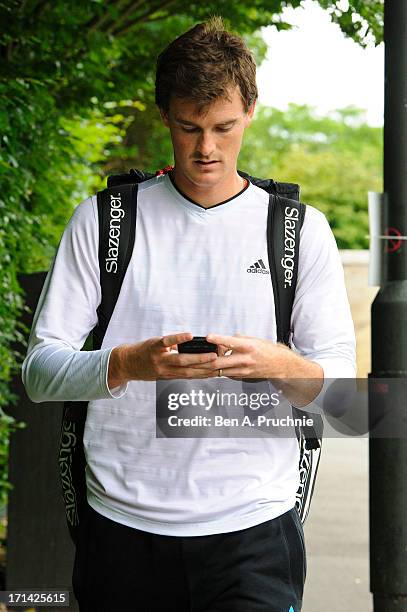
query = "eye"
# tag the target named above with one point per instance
(189, 130)
(224, 129)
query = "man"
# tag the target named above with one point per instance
(190, 524)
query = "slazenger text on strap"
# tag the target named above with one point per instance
(291, 217)
(116, 215)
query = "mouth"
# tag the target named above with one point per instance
(205, 163)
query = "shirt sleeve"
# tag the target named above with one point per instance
(322, 326)
(55, 368)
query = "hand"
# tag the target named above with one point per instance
(250, 357)
(299, 379)
(152, 359)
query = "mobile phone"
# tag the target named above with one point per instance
(198, 344)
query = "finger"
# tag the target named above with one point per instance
(246, 377)
(222, 350)
(190, 373)
(188, 359)
(174, 339)
(252, 380)
(230, 342)
(240, 374)
(229, 361)
(206, 366)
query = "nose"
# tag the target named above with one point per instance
(205, 145)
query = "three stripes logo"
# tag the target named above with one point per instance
(258, 268)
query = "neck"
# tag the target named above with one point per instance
(209, 195)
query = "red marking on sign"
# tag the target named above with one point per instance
(393, 245)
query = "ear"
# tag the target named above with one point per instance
(250, 113)
(164, 117)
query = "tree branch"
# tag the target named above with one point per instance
(131, 8)
(98, 22)
(158, 18)
(126, 9)
(164, 4)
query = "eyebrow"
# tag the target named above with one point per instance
(191, 124)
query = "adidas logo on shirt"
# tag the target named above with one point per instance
(258, 268)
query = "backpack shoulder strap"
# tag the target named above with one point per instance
(284, 221)
(286, 190)
(117, 213)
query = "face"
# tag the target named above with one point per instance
(206, 146)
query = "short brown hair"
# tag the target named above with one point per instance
(201, 65)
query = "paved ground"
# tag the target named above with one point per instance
(337, 528)
(336, 531)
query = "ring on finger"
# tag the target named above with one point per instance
(220, 372)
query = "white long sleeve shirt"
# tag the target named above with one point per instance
(188, 272)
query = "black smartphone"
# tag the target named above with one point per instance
(198, 344)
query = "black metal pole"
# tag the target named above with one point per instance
(388, 457)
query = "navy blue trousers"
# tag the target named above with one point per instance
(259, 569)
